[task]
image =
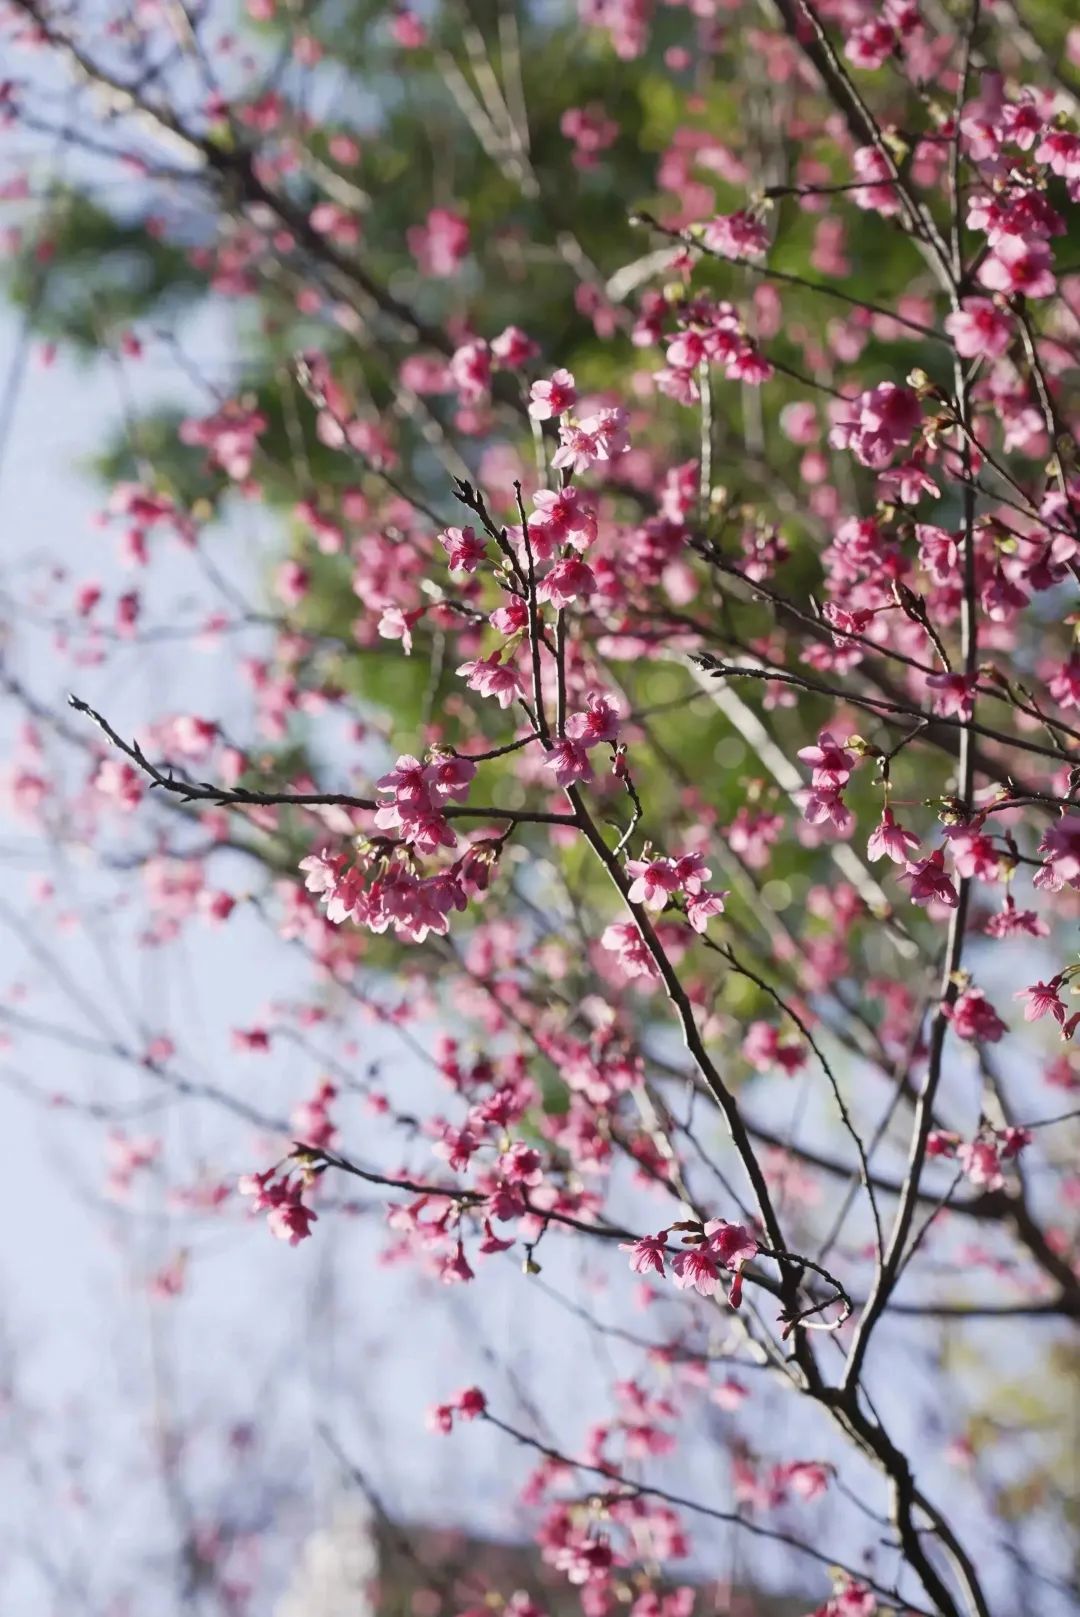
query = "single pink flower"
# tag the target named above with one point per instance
(554, 397)
(1043, 999)
(929, 881)
(647, 1254)
(890, 840)
(695, 1269)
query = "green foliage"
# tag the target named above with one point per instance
(93, 273)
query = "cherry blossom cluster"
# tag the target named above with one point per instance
(697, 1265)
(727, 790)
(280, 1195)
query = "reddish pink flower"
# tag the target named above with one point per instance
(702, 906)
(559, 517)
(974, 1018)
(824, 805)
(973, 853)
(1061, 844)
(879, 195)
(470, 371)
(1043, 999)
(883, 420)
(871, 44)
(929, 881)
(118, 780)
(282, 1200)
(591, 131)
(407, 30)
(1011, 922)
(954, 694)
(470, 1403)
(981, 1163)
(831, 763)
(252, 1039)
(764, 1048)
(732, 1245)
(647, 1254)
(806, 1478)
(456, 1269)
(440, 244)
(598, 437)
(521, 1165)
(1013, 1141)
(851, 1599)
(938, 553)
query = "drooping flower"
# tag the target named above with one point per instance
(974, 1018)
(490, 677)
(1043, 999)
(890, 840)
(647, 1253)
(695, 1269)
(929, 881)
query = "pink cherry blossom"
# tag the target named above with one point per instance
(696, 1268)
(570, 762)
(647, 1253)
(553, 397)
(929, 881)
(465, 549)
(979, 328)
(890, 840)
(1019, 266)
(491, 678)
(1043, 999)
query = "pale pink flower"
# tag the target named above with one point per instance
(1019, 265)
(890, 840)
(491, 678)
(570, 762)
(979, 328)
(654, 881)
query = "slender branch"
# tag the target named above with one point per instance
(242, 797)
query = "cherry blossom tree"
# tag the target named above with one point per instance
(648, 700)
